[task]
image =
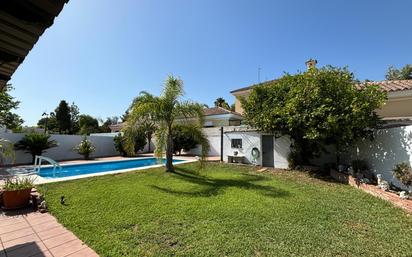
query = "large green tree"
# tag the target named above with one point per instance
(74, 118)
(399, 74)
(63, 117)
(88, 124)
(315, 108)
(165, 110)
(9, 119)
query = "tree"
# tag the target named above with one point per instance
(221, 102)
(186, 137)
(105, 127)
(399, 74)
(233, 107)
(9, 119)
(35, 144)
(63, 117)
(122, 142)
(74, 119)
(148, 128)
(316, 108)
(88, 124)
(125, 116)
(164, 110)
(50, 121)
(144, 122)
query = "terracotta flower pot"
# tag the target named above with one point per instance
(16, 199)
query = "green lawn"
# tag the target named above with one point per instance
(226, 210)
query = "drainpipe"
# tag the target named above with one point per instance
(221, 144)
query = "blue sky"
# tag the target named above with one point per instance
(100, 54)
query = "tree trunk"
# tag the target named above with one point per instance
(149, 141)
(169, 151)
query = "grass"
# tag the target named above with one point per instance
(226, 210)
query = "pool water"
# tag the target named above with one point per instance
(97, 167)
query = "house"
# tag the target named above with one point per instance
(392, 144)
(397, 109)
(221, 117)
(213, 117)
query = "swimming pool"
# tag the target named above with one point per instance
(99, 167)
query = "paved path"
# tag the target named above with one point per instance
(34, 235)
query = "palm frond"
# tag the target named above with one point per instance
(188, 110)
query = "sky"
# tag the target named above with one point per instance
(100, 53)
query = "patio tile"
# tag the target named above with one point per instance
(21, 240)
(10, 221)
(86, 252)
(44, 235)
(13, 227)
(39, 218)
(60, 239)
(16, 234)
(68, 248)
(43, 254)
(45, 226)
(27, 249)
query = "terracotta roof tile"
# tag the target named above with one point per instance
(386, 85)
(218, 111)
(389, 85)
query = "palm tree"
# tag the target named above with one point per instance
(221, 102)
(165, 110)
(35, 144)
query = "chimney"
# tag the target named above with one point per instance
(311, 63)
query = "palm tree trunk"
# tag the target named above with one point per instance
(169, 151)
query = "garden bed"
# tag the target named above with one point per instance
(392, 197)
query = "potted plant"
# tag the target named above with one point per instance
(85, 148)
(16, 192)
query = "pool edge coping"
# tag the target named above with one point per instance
(38, 180)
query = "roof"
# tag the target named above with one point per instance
(22, 22)
(218, 111)
(389, 85)
(252, 86)
(386, 85)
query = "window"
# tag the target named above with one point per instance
(237, 143)
(234, 122)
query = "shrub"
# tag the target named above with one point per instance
(14, 184)
(359, 165)
(85, 148)
(403, 172)
(121, 142)
(35, 144)
(118, 144)
(186, 137)
(6, 150)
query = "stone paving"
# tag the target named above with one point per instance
(33, 234)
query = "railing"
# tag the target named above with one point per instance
(38, 160)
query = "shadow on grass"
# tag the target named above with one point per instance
(215, 186)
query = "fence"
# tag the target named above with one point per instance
(64, 151)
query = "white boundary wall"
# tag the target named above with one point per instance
(64, 151)
(390, 147)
